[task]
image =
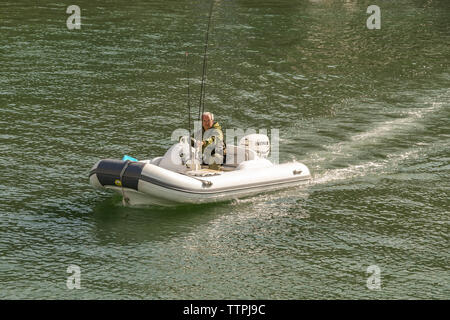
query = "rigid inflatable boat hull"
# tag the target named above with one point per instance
(142, 183)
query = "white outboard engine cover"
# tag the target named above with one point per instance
(176, 158)
(257, 142)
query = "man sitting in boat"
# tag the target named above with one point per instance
(212, 141)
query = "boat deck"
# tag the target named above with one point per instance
(205, 171)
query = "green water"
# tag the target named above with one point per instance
(366, 110)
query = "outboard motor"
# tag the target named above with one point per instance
(257, 142)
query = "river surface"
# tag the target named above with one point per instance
(367, 110)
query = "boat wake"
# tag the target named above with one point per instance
(374, 151)
(389, 165)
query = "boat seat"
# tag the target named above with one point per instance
(235, 156)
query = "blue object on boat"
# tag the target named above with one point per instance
(125, 157)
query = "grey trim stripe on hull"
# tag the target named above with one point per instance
(219, 190)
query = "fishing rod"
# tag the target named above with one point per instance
(202, 88)
(189, 107)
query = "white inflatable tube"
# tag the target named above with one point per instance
(143, 183)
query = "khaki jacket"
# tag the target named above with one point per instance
(210, 136)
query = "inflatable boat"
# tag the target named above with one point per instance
(176, 179)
